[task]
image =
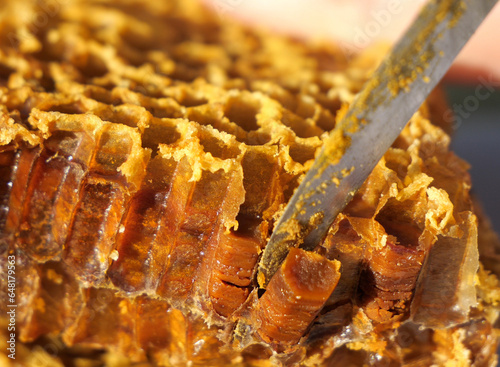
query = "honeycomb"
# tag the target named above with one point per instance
(147, 150)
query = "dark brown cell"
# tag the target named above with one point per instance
(226, 297)
(95, 224)
(149, 226)
(197, 228)
(52, 193)
(52, 196)
(389, 281)
(103, 199)
(232, 272)
(236, 259)
(294, 296)
(258, 163)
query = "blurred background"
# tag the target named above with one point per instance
(477, 140)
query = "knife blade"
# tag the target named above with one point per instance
(374, 120)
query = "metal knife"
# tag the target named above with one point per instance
(372, 123)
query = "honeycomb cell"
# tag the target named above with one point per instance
(294, 296)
